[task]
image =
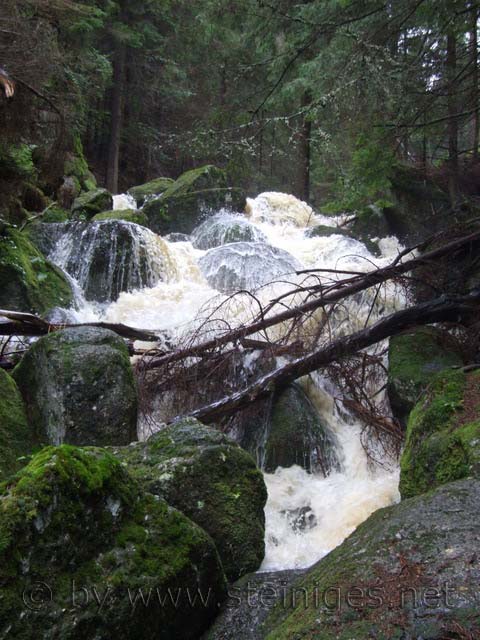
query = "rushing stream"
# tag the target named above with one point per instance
(169, 283)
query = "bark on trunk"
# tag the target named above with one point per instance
(476, 115)
(452, 117)
(305, 149)
(117, 117)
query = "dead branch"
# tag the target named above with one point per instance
(328, 295)
(27, 324)
(444, 309)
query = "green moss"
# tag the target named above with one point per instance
(414, 356)
(210, 479)
(28, 282)
(76, 515)
(153, 188)
(16, 437)
(92, 202)
(129, 215)
(439, 448)
(55, 214)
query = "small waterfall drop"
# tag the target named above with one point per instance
(166, 285)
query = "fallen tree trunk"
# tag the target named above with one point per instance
(27, 324)
(340, 290)
(444, 309)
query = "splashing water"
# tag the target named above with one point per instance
(174, 293)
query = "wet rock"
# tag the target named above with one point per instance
(245, 265)
(16, 437)
(79, 389)
(28, 282)
(177, 237)
(204, 474)
(414, 357)
(443, 434)
(323, 231)
(411, 569)
(112, 256)
(75, 524)
(301, 519)
(290, 432)
(92, 202)
(224, 229)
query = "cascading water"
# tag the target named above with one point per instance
(166, 285)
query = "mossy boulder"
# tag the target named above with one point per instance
(129, 215)
(414, 357)
(204, 474)
(16, 437)
(84, 553)
(76, 167)
(183, 203)
(28, 282)
(409, 571)
(224, 229)
(149, 190)
(78, 388)
(443, 434)
(45, 235)
(92, 202)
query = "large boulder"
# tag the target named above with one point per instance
(144, 192)
(183, 203)
(245, 265)
(77, 532)
(45, 235)
(225, 228)
(86, 205)
(414, 356)
(204, 474)
(409, 571)
(79, 388)
(443, 434)
(28, 282)
(290, 432)
(324, 231)
(112, 256)
(16, 437)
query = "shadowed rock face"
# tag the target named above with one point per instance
(200, 471)
(245, 265)
(79, 389)
(412, 566)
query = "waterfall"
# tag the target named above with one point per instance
(148, 282)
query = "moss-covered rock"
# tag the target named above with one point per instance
(45, 235)
(92, 202)
(16, 437)
(76, 167)
(85, 554)
(152, 189)
(414, 357)
(182, 204)
(409, 571)
(443, 434)
(28, 282)
(129, 215)
(200, 471)
(78, 387)
(224, 229)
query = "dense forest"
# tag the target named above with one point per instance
(322, 99)
(239, 319)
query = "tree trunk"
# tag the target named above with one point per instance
(117, 117)
(452, 117)
(305, 149)
(474, 53)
